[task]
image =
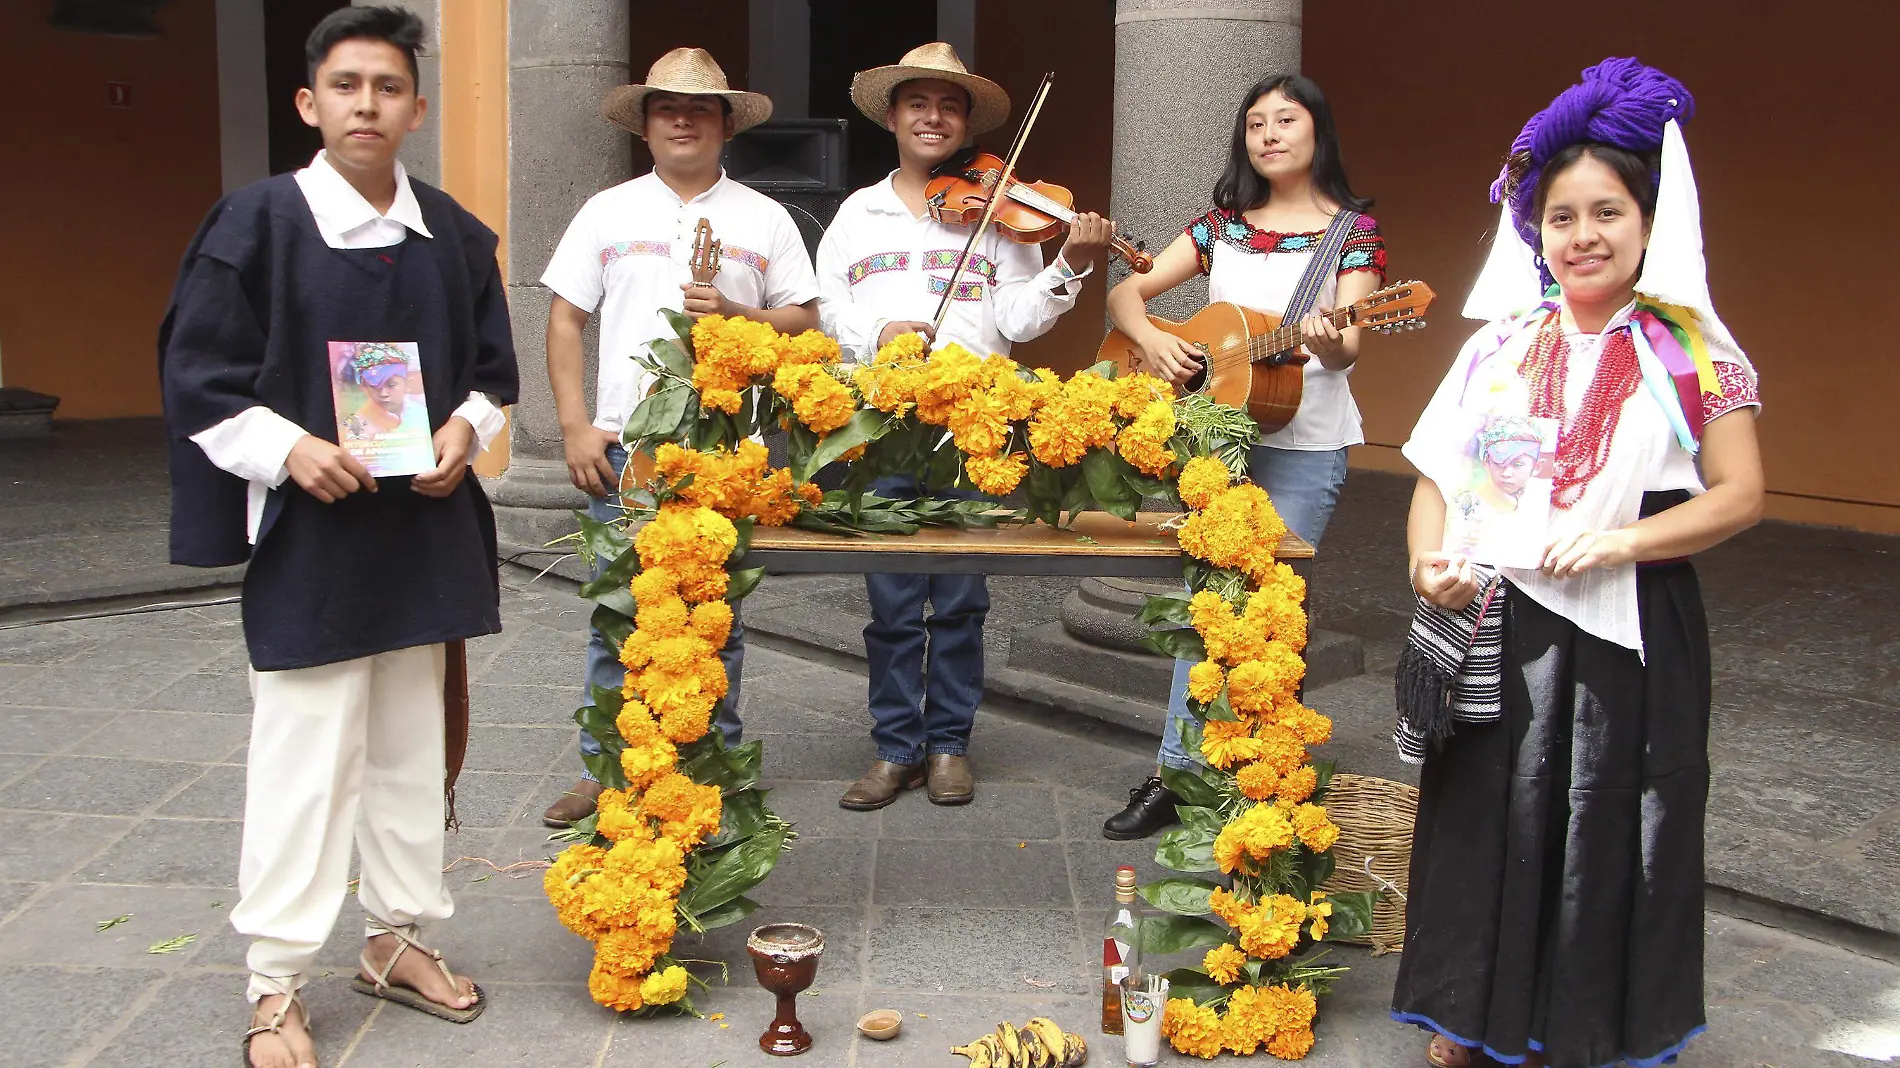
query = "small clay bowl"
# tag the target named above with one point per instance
(881, 1025)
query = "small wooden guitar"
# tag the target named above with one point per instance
(1252, 361)
(704, 266)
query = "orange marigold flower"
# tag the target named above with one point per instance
(1226, 744)
(1257, 781)
(1205, 680)
(645, 763)
(614, 990)
(1298, 784)
(997, 475)
(1223, 962)
(1272, 930)
(1291, 1045)
(1191, 1029)
(618, 820)
(1137, 393)
(812, 346)
(1224, 904)
(1201, 479)
(1317, 832)
(712, 622)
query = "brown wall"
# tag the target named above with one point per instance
(659, 26)
(1795, 144)
(96, 203)
(1071, 145)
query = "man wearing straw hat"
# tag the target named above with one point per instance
(883, 268)
(626, 253)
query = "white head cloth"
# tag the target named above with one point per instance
(1674, 269)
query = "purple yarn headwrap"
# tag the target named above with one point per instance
(1619, 102)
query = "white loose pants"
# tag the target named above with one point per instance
(347, 752)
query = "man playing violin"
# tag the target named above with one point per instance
(883, 269)
(627, 253)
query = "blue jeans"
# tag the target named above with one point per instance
(603, 665)
(1305, 488)
(926, 676)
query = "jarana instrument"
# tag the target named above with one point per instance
(703, 265)
(1252, 361)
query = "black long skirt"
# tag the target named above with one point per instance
(1556, 880)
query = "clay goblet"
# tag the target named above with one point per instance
(785, 956)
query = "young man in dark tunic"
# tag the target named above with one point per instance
(347, 661)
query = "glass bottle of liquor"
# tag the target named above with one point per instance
(1121, 948)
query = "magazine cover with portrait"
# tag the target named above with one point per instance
(381, 417)
(1498, 512)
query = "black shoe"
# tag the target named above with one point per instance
(1150, 808)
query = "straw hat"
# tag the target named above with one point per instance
(689, 72)
(871, 89)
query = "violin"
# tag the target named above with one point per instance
(1029, 213)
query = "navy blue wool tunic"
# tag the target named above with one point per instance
(259, 297)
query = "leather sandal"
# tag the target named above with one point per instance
(276, 1024)
(380, 987)
(881, 785)
(1444, 1053)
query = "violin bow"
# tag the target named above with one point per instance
(989, 205)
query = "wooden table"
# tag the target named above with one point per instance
(1096, 544)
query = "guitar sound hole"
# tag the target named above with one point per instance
(1197, 383)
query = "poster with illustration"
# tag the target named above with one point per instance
(1501, 515)
(381, 417)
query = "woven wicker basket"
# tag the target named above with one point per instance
(1375, 834)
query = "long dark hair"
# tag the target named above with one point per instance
(1242, 188)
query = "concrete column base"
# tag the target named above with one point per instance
(534, 503)
(26, 414)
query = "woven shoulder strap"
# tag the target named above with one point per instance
(1324, 265)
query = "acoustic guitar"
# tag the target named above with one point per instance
(704, 265)
(1252, 361)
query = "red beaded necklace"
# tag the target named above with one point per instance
(1583, 443)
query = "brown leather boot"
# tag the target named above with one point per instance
(881, 785)
(573, 806)
(950, 780)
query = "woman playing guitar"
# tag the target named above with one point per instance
(1282, 188)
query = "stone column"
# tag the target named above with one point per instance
(563, 56)
(1181, 67)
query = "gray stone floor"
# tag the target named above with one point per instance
(121, 780)
(83, 514)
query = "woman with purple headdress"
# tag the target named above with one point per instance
(1561, 712)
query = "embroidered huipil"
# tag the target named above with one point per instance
(627, 251)
(879, 264)
(1645, 455)
(255, 443)
(1258, 269)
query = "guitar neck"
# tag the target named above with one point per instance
(1285, 338)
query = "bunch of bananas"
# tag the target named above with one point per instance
(1040, 1043)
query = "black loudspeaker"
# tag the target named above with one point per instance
(798, 162)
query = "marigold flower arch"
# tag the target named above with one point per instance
(682, 831)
